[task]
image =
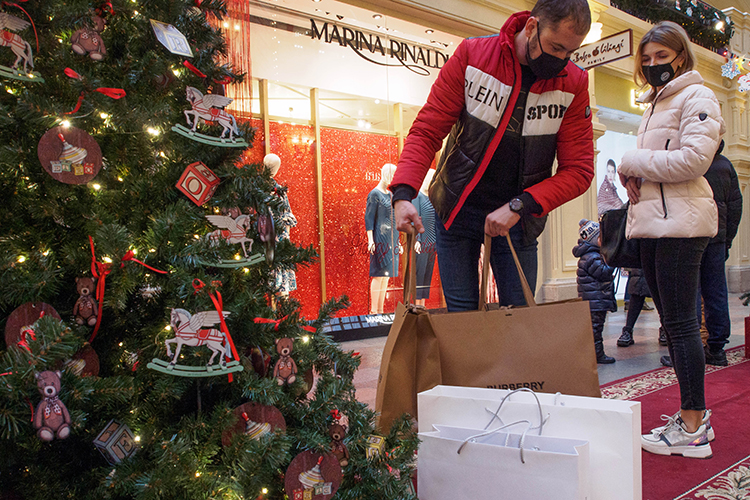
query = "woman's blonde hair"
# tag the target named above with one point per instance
(672, 36)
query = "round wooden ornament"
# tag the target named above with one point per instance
(317, 474)
(86, 362)
(255, 420)
(70, 155)
(24, 316)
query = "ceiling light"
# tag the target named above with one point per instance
(377, 16)
(429, 32)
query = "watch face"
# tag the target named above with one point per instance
(516, 205)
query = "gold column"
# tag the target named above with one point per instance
(263, 91)
(315, 118)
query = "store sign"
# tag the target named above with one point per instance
(374, 49)
(604, 51)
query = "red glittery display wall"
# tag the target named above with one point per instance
(351, 163)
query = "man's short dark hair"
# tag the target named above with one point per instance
(551, 12)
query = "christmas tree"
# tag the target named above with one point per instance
(109, 227)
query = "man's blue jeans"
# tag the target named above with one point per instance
(458, 260)
(713, 289)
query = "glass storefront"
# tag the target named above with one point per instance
(355, 79)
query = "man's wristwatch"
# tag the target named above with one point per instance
(516, 205)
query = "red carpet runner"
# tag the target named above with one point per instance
(726, 476)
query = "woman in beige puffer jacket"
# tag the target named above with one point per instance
(672, 214)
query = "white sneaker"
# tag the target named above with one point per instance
(706, 420)
(674, 439)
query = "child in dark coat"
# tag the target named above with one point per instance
(595, 282)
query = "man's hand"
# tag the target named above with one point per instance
(406, 215)
(499, 222)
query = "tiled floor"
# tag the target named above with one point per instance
(641, 357)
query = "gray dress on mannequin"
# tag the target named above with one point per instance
(379, 220)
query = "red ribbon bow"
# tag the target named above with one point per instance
(336, 414)
(105, 8)
(275, 322)
(108, 91)
(130, 255)
(100, 270)
(192, 68)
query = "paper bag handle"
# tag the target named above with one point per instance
(410, 271)
(527, 293)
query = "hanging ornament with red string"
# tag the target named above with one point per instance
(70, 155)
(89, 40)
(210, 109)
(199, 329)
(20, 47)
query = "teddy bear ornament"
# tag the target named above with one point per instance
(86, 308)
(51, 418)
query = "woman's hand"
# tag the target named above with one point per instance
(633, 187)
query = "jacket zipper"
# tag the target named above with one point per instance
(661, 185)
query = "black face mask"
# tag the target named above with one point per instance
(545, 66)
(659, 74)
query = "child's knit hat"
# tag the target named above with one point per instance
(588, 230)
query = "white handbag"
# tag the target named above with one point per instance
(611, 427)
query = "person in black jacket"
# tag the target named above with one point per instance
(595, 283)
(713, 287)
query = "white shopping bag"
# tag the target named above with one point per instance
(611, 427)
(501, 466)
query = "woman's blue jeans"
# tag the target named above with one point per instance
(671, 267)
(458, 252)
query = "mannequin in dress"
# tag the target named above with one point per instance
(425, 244)
(286, 281)
(382, 239)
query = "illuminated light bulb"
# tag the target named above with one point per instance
(720, 25)
(136, 13)
(152, 250)
(120, 179)
(197, 474)
(264, 491)
(368, 125)
(21, 258)
(104, 116)
(226, 25)
(96, 186)
(176, 72)
(59, 40)
(153, 131)
(161, 153)
(305, 339)
(377, 101)
(236, 27)
(120, 344)
(196, 237)
(65, 123)
(168, 327)
(138, 439)
(246, 270)
(237, 257)
(10, 91)
(107, 260)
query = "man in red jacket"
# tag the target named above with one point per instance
(512, 102)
